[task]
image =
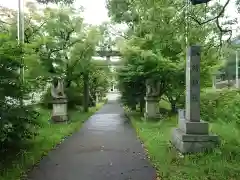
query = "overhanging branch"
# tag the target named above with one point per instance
(216, 19)
(212, 19)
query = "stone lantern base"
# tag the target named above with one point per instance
(59, 111)
(152, 108)
(192, 137)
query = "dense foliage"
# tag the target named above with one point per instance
(221, 109)
(213, 103)
(154, 47)
(17, 121)
(57, 43)
(155, 44)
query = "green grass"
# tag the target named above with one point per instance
(221, 164)
(49, 136)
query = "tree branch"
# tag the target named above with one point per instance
(223, 31)
(1, 21)
(212, 19)
(216, 18)
(35, 30)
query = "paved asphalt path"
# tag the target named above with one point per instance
(105, 148)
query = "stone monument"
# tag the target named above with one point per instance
(97, 96)
(192, 134)
(59, 112)
(214, 80)
(152, 99)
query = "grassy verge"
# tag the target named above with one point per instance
(49, 136)
(222, 164)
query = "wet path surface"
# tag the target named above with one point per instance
(106, 148)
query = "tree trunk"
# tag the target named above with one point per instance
(95, 98)
(68, 83)
(173, 107)
(68, 80)
(86, 91)
(133, 107)
(228, 79)
(142, 104)
(228, 84)
(133, 104)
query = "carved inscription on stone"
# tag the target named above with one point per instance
(195, 68)
(193, 84)
(194, 98)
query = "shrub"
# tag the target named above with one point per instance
(75, 97)
(17, 125)
(221, 104)
(17, 121)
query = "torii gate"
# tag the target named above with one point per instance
(108, 54)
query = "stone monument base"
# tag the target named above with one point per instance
(192, 137)
(149, 116)
(59, 112)
(193, 143)
(152, 108)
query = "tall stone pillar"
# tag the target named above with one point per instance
(192, 134)
(152, 100)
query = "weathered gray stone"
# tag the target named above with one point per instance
(59, 112)
(57, 88)
(189, 143)
(153, 88)
(193, 137)
(181, 114)
(152, 99)
(192, 134)
(214, 81)
(193, 127)
(193, 84)
(97, 99)
(152, 107)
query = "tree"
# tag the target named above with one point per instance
(83, 53)
(17, 121)
(57, 43)
(156, 46)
